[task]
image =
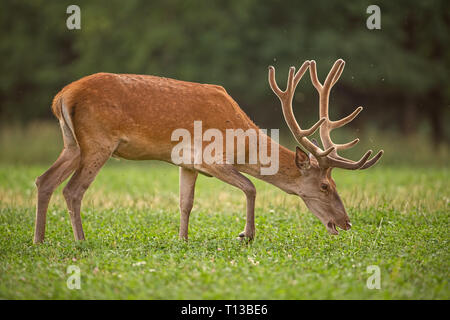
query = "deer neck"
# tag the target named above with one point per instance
(286, 177)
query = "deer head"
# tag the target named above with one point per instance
(316, 186)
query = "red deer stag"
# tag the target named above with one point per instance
(134, 116)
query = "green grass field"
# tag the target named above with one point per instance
(130, 214)
(399, 211)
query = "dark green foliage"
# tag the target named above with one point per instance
(399, 73)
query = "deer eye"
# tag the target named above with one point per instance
(324, 187)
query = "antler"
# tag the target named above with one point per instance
(328, 125)
(286, 103)
(326, 158)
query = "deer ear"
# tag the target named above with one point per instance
(301, 159)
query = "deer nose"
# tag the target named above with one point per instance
(344, 223)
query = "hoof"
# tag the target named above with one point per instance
(243, 236)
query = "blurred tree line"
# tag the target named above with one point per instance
(399, 73)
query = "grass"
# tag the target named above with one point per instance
(399, 211)
(400, 220)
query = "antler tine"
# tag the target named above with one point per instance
(347, 119)
(336, 163)
(332, 77)
(291, 83)
(338, 73)
(347, 145)
(301, 72)
(334, 74)
(273, 83)
(368, 163)
(372, 161)
(313, 74)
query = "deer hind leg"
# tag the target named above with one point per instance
(90, 164)
(66, 163)
(227, 173)
(187, 187)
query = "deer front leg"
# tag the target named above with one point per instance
(249, 230)
(187, 187)
(227, 173)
